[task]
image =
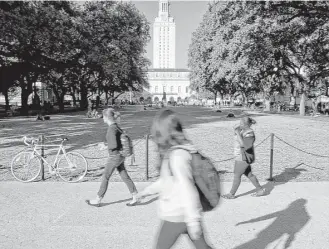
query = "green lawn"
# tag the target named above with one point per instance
(210, 131)
(84, 133)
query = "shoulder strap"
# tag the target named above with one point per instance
(248, 133)
(122, 131)
(175, 148)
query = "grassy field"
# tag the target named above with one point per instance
(210, 131)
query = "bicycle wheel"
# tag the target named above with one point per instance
(25, 166)
(72, 167)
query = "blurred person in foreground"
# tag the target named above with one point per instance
(179, 206)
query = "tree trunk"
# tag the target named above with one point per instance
(106, 97)
(112, 98)
(267, 104)
(61, 103)
(24, 100)
(221, 99)
(244, 98)
(84, 96)
(231, 101)
(215, 95)
(26, 84)
(74, 99)
(60, 100)
(302, 105)
(73, 96)
(6, 99)
(118, 95)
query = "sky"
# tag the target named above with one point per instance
(187, 15)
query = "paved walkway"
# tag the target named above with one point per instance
(54, 215)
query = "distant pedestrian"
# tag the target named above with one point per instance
(245, 156)
(115, 159)
(180, 209)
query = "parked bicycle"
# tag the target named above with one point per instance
(69, 166)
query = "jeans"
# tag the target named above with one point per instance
(169, 233)
(115, 161)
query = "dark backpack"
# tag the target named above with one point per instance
(127, 145)
(206, 180)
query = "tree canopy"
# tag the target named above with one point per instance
(73, 48)
(247, 47)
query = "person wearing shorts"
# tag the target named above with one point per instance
(245, 156)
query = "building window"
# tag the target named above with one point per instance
(171, 89)
(187, 89)
(156, 89)
(164, 89)
(179, 89)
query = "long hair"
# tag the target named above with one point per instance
(167, 131)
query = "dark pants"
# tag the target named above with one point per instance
(115, 161)
(170, 232)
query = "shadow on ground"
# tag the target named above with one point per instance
(287, 175)
(287, 222)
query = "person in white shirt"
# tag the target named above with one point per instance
(179, 206)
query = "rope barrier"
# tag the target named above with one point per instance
(262, 141)
(229, 159)
(310, 153)
(96, 158)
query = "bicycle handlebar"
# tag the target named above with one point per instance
(30, 140)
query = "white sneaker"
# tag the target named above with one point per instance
(135, 200)
(96, 202)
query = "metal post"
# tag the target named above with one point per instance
(132, 160)
(42, 155)
(147, 157)
(271, 158)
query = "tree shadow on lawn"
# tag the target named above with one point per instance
(82, 131)
(287, 175)
(287, 222)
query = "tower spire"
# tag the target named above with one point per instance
(164, 8)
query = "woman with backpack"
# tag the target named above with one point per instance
(115, 159)
(245, 156)
(179, 206)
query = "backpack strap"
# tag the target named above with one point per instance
(176, 148)
(248, 133)
(120, 130)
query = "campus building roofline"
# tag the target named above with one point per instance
(168, 70)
